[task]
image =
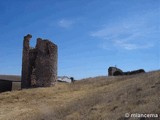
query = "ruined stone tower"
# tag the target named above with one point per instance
(39, 64)
(114, 71)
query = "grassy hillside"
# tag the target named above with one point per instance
(99, 98)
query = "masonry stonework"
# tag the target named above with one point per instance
(39, 64)
(114, 71)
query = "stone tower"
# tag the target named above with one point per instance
(39, 64)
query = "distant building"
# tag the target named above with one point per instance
(9, 83)
(65, 79)
(5, 85)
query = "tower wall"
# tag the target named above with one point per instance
(25, 82)
(46, 63)
(39, 66)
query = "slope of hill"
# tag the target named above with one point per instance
(10, 77)
(99, 98)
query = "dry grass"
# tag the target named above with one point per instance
(99, 98)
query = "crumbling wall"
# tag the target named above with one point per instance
(134, 72)
(39, 64)
(5, 85)
(25, 80)
(114, 71)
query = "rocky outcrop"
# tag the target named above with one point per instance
(39, 64)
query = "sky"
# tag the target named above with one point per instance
(91, 35)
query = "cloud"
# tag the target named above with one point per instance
(64, 23)
(132, 46)
(134, 32)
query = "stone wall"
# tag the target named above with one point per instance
(134, 72)
(114, 71)
(5, 85)
(39, 64)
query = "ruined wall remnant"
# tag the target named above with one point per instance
(5, 85)
(39, 64)
(114, 71)
(134, 72)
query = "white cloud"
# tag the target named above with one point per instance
(64, 23)
(132, 46)
(132, 33)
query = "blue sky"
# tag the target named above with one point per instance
(91, 34)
